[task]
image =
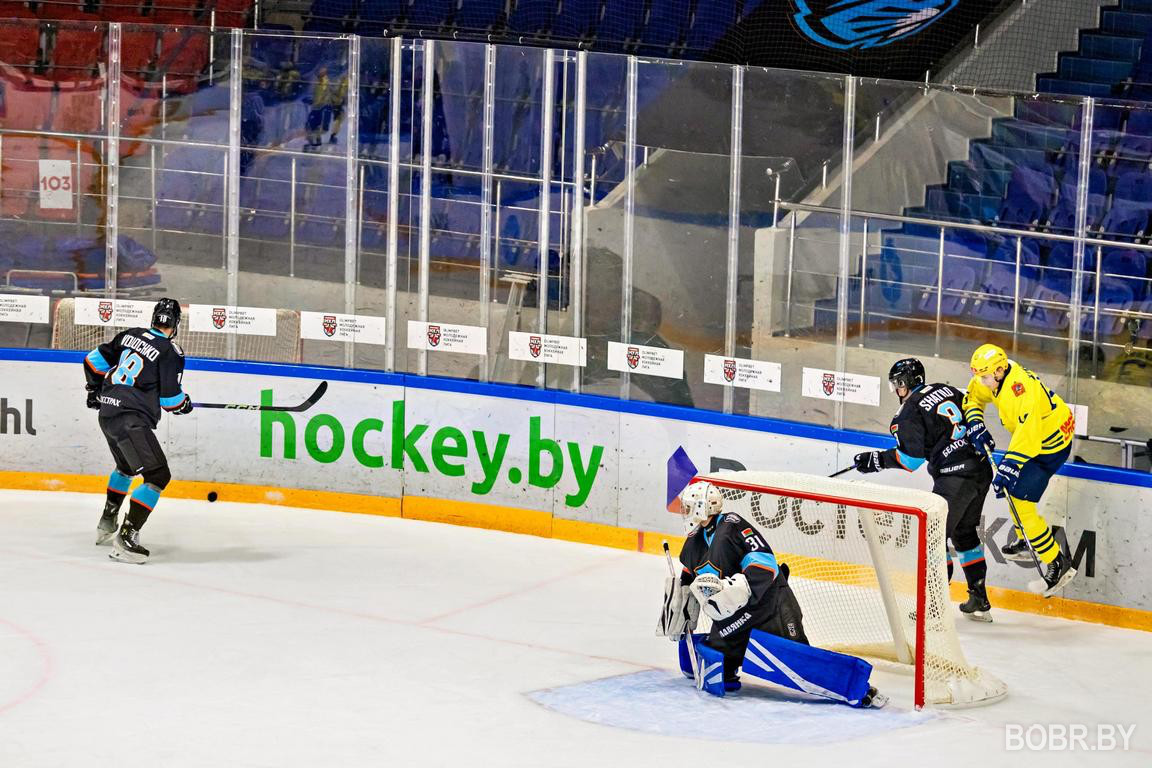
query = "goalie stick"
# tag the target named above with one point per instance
(688, 642)
(311, 401)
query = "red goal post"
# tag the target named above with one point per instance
(868, 564)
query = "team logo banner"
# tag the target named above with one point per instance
(547, 348)
(118, 312)
(653, 361)
(216, 318)
(330, 326)
(442, 337)
(860, 24)
(846, 387)
(739, 372)
(23, 309)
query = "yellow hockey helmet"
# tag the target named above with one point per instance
(987, 358)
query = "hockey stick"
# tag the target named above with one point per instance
(311, 401)
(688, 641)
(846, 469)
(1016, 517)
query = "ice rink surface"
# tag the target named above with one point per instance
(270, 636)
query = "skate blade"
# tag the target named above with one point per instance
(1039, 587)
(124, 556)
(982, 616)
(103, 537)
(1019, 557)
(877, 701)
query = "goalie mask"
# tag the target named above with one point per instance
(698, 503)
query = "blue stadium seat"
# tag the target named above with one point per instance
(430, 14)
(1129, 267)
(1114, 296)
(479, 15)
(1108, 71)
(711, 22)
(959, 280)
(534, 19)
(577, 19)
(666, 28)
(998, 303)
(329, 15)
(1063, 218)
(1029, 197)
(622, 24)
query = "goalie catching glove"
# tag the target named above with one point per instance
(720, 598)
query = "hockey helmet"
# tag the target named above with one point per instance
(698, 503)
(166, 314)
(907, 373)
(987, 358)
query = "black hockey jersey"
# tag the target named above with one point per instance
(139, 370)
(930, 428)
(730, 545)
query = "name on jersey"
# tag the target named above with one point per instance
(141, 346)
(932, 399)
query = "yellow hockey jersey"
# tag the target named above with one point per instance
(1039, 421)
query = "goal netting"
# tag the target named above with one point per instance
(868, 565)
(283, 347)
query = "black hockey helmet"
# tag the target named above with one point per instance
(166, 314)
(907, 373)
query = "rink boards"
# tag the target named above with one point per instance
(547, 463)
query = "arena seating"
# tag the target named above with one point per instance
(1025, 175)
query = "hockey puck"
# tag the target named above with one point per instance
(212, 496)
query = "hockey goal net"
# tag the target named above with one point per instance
(868, 565)
(284, 347)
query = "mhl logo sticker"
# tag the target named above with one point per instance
(853, 24)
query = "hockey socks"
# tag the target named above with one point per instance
(974, 565)
(144, 500)
(118, 484)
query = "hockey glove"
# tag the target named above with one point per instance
(869, 462)
(720, 598)
(185, 407)
(93, 400)
(1007, 475)
(980, 437)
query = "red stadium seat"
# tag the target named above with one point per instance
(184, 52)
(125, 11)
(137, 50)
(19, 42)
(64, 10)
(19, 166)
(76, 52)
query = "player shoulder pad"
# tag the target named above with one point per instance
(733, 519)
(176, 348)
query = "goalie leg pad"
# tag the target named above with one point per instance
(828, 674)
(711, 669)
(685, 657)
